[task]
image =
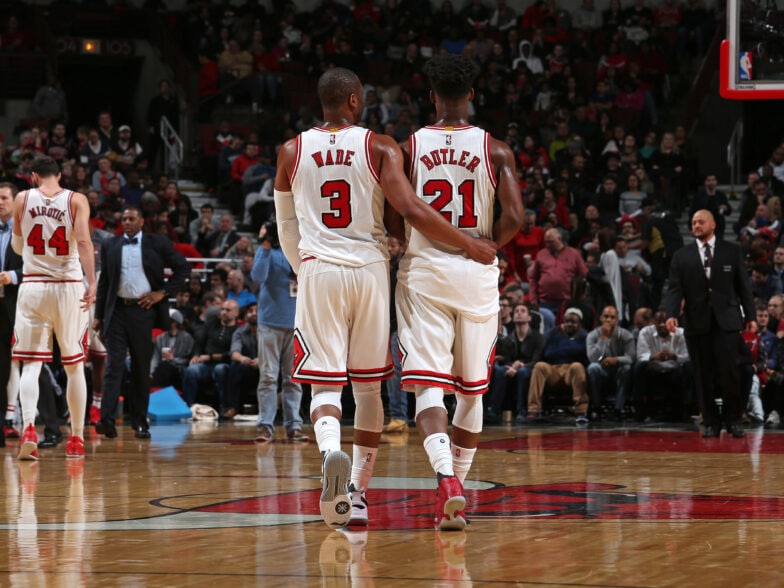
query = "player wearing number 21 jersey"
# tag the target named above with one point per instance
(330, 190)
(51, 233)
(447, 304)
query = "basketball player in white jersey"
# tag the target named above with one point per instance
(51, 234)
(447, 304)
(329, 199)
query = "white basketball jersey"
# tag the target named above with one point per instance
(451, 169)
(49, 250)
(337, 197)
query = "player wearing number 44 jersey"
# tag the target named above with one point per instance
(52, 235)
(330, 190)
(447, 304)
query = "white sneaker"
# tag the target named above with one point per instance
(335, 502)
(359, 508)
(773, 419)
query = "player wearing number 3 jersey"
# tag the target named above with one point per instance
(330, 206)
(52, 235)
(447, 304)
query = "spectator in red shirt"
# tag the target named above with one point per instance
(551, 274)
(527, 242)
(249, 157)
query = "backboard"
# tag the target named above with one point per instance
(752, 55)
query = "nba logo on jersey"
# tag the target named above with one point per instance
(744, 66)
(332, 139)
(449, 139)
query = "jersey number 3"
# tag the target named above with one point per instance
(443, 193)
(57, 241)
(339, 194)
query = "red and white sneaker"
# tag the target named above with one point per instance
(28, 447)
(10, 432)
(74, 448)
(95, 415)
(450, 504)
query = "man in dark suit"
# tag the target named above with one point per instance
(709, 277)
(10, 278)
(133, 298)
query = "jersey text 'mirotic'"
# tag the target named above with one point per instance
(447, 157)
(333, 157)
(54, 213)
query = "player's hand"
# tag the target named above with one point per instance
(88, 299)
(671, 324)
(482, 250)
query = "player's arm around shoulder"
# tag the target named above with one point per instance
(388, 158)
(507, 191)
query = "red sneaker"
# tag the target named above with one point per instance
(10, 432)
(450, 505)
(28, 447)
(74, 449)
(95, 415)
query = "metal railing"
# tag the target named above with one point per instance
(735, 153)
(172, 149)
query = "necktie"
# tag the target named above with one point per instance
(3, 227)
(708, 258)
(127, 241)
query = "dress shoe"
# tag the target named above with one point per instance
(141, 432)
(711, 431)
(109, 430)
(49, 441)
(736, 430)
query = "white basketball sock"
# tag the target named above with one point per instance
(462, 459)
(327, 429)
(438, 451)
(76, 394)
(28, 392)
(362, 466)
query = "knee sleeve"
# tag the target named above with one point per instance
(468, 413)
(323, 396)
(428, 397)
(369, 414)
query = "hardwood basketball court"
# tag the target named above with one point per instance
(202, 505)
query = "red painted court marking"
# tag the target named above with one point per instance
(413, 509)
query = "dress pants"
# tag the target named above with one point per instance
(716, 375)
(130, 330)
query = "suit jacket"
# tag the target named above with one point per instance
(724, 295)
(157, 253)
(12, 263)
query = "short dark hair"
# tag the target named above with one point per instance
(451, 76)
(336, 85)
(45, 167)
(207, 206)
(13, 187)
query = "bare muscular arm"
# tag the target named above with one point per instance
(508, 193)
(84, 244)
